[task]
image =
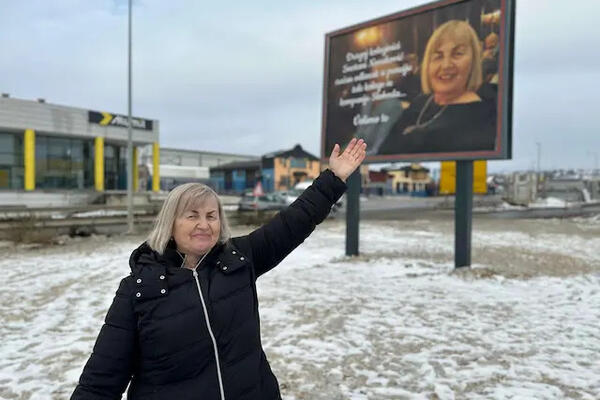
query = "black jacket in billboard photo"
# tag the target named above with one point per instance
(171, 336)
(443, 129)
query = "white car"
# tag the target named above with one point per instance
(292, 195)
(303, 185)
(289, 196)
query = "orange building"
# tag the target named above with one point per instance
(281, 170)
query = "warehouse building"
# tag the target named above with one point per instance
(235, 177)
(179, 166)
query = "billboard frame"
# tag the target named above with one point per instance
(505, 87)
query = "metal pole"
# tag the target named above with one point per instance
(539, 155)
(463, 213)
(129, 137)
(352, 213)
(538, 169)
(595, 156)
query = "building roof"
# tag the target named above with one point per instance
(237, 165)
(178, 171)
(297, 152)
(411, 167)
(59, 120)
(212, 153)
(379, 176)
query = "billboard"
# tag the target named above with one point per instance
(429, 83)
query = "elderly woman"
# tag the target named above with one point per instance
(450, 115)
(185, 323)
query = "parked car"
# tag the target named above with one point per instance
(292, 194)
(289, 196)
(250, 202)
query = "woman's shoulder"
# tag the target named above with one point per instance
(239, 244)
(419, 101)
(485, 108)
(126, 286)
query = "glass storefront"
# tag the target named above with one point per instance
(60, 163)
(63, 163)
(11, 161)
(115, 167)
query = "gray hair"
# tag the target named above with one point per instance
(182, 198)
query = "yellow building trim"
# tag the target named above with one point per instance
(99, 164)
(448, 177)
(155, 167)
(480, 177)
(136, 180)
(29, 158)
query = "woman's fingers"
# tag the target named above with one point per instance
(335, 152)
(355, 150)
(358, 145)
(362, 152)
(350, 146)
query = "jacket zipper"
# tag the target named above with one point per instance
(210, 332)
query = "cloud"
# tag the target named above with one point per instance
(248, 78)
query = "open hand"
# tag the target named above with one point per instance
(344, 164)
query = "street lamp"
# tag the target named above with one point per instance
(129, 136)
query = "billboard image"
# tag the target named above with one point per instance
(430, 83)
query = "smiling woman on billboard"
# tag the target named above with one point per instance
(454, 113)
(430, 83)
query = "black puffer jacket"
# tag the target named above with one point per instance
(174, 344)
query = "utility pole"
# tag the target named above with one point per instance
(129, 137)
(595, 155)
(539, 156)
(538, 171)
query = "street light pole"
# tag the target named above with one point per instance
(538, 172)
(129, 136)
(594, 154)
(539, 155)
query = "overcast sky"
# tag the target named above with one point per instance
(246, 77)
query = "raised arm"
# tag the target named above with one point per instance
(272, 242)
(110, 367)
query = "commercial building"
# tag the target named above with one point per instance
(235, 177)
(379, 183)
(410, 179)
(179, 166)
(279, 170)
(448, 177)
(53, 147)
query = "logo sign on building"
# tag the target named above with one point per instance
(429, 83)
(107, 119)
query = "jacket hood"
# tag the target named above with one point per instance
(145, 257)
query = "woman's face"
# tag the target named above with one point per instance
(198, 229)
(449, 68)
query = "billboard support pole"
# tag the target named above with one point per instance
(352, 212)
(463, 214)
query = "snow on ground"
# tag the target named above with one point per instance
(549, 202)
(395, 323)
